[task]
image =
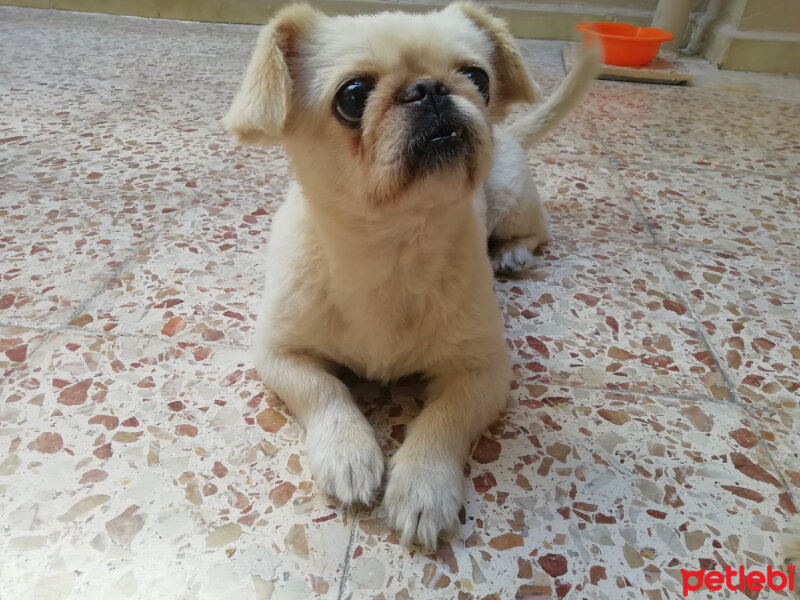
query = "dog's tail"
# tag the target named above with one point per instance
(537, 124)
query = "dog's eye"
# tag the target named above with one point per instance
(351, 100)
(480, 79)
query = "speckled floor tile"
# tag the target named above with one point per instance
(788, 152)
(110, 154)
(114, 86)
(16, 343)
(250, 176)
(588, 494)
(574, 140)
(29, 117)
(82, 93)
(586, 201)
(193, 87)
(153, 142)
(733, 210)
(199, 281)
(39, 32)
(780, 429)
(60, 243)
(778, 132)
(606, 315)
(664, 126)
(750, 308)
(140, 465)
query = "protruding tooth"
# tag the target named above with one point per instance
(453, 134)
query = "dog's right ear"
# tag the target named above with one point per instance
(261, 106)
(513, 83)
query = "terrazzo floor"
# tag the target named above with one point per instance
(655, 415)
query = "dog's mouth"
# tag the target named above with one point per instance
(440, 143)
(451, 134)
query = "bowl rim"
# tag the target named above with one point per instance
(652, 34)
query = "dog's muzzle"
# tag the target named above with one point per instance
(438, 133)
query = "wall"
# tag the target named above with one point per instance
(753, 35)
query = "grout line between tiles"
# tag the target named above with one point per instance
(45, 338)
(136, 250)
(616, 167)
(343, 580)
(665, 395)
(679, 287)
(385, 390)
(100, 289)
(735, 398)
(726, 378)
(40, 139)
(757, 140)
(153, 337)
(26, 325)
(49, 331)
(615, 162)
(381, 402)
(794, 494)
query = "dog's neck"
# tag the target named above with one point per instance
(396, 242)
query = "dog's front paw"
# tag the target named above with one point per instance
(422, 499)
(346, 463)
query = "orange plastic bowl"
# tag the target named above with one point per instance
(625, 45)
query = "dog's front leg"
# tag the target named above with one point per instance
(426, 489)
(343, 455)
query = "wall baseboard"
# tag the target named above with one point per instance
(534, 20)
(765, 52)
(527, 20)
(766, 56)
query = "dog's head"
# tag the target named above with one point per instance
(374, 106)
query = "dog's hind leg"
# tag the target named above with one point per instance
(515, 215)
(518, 234)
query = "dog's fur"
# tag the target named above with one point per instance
(378, 261)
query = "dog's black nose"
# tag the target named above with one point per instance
(430, 88)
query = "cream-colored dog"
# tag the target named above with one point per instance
(378, 258)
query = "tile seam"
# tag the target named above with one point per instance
(136, 250)
(728, 382)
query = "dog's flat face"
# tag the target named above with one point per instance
(405, 99)
(374, 107)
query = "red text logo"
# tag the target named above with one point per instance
(755, 580)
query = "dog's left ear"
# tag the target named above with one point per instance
(513, 83)
(260, 109)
